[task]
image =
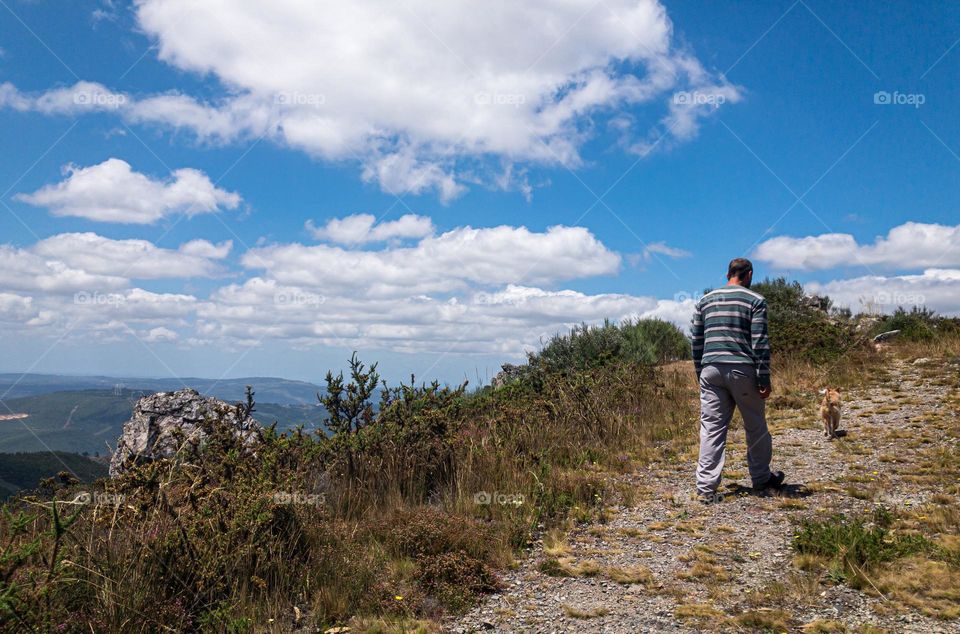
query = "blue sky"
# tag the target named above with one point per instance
(554, 164)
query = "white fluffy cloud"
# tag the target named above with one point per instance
(138, 259)
(113, 192)
(467, 290)
(364, 228)
(437, 264)
(505, 321)
(89, 263)
(910, 245)
(418, 92)
(938, 289)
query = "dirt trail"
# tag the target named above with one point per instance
(701, 567)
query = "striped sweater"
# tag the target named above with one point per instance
(730, 326)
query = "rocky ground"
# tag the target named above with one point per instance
(664, 562)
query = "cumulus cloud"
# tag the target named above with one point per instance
(86, 262)
(417, 92)
(938, 289)
(507, 320)
(443, 263)
(113, 192)
(364, 228)
(138, 259)
(910, 245)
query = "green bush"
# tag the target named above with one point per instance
(642, 342)
(852, 546)
(917, 324)
(803, 326)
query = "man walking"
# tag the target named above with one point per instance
(731, 354)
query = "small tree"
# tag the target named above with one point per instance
(349, 405)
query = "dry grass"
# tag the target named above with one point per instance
(704, 572)
(704, 616)
(630, 575)
(585, 613)
(765, 620)
(569, 567)
(931, 587)
(555, 543)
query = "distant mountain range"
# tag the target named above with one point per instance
(48, 420)
(268, 389)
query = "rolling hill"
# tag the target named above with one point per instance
(268, 389)
(90, 421)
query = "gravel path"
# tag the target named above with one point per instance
(686, 567)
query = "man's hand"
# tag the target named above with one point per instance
(765, 391)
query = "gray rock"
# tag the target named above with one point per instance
(508, 374)
(168, 424)
(886, 336)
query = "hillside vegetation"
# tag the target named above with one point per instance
(409, 510)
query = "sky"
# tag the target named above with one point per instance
(230, 188)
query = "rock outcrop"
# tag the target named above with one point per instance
(168, 424)
(509, 373)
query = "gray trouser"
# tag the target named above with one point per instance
(721, 387)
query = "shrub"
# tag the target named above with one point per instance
(917, 324)
(802, 326)
(641, 342)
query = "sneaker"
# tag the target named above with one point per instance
(774, 482)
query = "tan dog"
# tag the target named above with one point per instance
(830, 411)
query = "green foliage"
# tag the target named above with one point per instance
(642, 342)
(802, 326)
(852, 546)
(349, 404)
(917, 324)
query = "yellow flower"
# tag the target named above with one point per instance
(398, 598)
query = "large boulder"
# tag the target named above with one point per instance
(168, 424)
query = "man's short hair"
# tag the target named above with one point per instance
(739, 267)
